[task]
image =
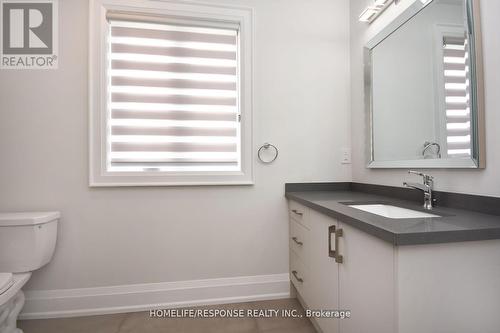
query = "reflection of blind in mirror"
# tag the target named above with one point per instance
(457, 96)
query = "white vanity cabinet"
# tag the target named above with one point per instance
(362, 283)
(435, 288)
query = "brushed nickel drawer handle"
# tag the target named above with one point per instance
(335, 252)
(332, 253)
(338, 257)
(295, 274)
(297, 212)
(297, 241)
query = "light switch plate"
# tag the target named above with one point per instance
(345, 154)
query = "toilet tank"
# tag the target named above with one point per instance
(27, 240)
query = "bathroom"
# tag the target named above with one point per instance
(129, 218)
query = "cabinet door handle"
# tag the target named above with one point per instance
(297, 212)
(297, 241)
(335, 252)
(331, 253)
(338, 257)
(295, 274)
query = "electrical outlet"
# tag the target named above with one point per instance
(345, 154)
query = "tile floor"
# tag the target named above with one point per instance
(140, 322)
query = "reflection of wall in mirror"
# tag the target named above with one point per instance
(405, 89)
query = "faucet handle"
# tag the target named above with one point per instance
(427, 178)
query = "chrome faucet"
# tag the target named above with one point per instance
(426, 187)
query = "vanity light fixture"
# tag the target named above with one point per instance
(371, 12)
(379, 3)
(368, 14)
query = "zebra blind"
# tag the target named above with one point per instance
(457, 96)
(173, 98)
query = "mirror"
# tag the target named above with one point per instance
(423, 88)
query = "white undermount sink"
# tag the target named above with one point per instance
(393, 212)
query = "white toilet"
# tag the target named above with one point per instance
(27, 242)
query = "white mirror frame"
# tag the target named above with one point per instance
(478, 158)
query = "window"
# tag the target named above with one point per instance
(170, 95)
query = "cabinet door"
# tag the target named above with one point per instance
(367, 282)
(324, 271)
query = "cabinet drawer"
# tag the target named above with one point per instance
(298, 275)
(299, 240)
(298, 212)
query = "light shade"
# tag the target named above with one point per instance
(371, 12)
(381, 2)
(368, 14)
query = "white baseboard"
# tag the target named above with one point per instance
(142, 297)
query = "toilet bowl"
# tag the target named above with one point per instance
(6, 281)
(27, 243)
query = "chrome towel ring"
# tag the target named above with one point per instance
(266, 146)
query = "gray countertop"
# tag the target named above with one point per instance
(454, 225)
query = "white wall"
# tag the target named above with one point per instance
(111, 236)
(486, 182)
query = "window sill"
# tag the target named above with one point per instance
(172, 184)
(141, 180)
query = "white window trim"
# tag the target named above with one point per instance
(98, 30)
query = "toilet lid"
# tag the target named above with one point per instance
(6, 281)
